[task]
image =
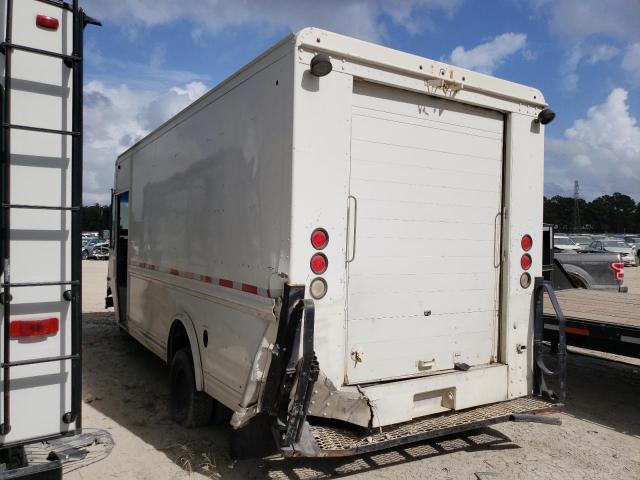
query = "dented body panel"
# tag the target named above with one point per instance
(404, 161)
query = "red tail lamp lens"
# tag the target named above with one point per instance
(319, 238)
(319, 263)
(618, 270)
(45, 21)
(525, 261)
(33, 328)
(526, 243)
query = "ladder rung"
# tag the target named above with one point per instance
(39, 360)
(38, 207)
(39, 129)
(39, 284)
(39, 51)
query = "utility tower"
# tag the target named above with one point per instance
(576, 206)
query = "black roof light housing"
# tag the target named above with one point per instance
(321, 65)
(546, 116)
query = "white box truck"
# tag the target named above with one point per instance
(40, 242)
(340, 231)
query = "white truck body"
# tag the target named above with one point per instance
(425, 177)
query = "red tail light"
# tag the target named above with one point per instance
(47, 22)
(525, 261)
(526, 243)
(319, 238)
(33, 328)
(319, 263)
(618, 270)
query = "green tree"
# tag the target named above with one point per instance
(96, 218)
(558, 211)
(612, 213)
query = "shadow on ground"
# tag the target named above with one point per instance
(128, 384)
(599, 391)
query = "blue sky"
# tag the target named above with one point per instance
(153, 57)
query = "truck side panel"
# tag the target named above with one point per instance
(208, 226)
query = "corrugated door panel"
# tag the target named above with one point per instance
(423, 286)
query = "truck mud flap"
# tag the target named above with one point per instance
(341, 442)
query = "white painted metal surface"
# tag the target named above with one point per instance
(224, 197)
(40, 240)
(427, 177)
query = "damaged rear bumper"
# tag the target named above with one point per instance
(326, 441)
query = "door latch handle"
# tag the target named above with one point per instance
(352, 217)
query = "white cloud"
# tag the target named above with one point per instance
(488, 56)
(602, 53)
(602, 151)
(578, 22)
(631, 61)
(361, 18)
(590, 54)
(579, 19)
(117, 117)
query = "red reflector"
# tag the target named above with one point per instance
(618, 270)
(526, 243)
(47, 22)
(33, 328)
(577, 331)
(525, 261)
(319, 263)
(249, 288)
(319, 238)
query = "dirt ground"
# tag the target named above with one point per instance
(126, 393)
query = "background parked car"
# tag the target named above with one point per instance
(95, 248)
(614, 245)
(633, 241)
(563, 242)
(583, 241)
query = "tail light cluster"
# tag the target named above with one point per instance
(526, 261)
(319, 263)
(618, 270)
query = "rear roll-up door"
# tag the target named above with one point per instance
(426, 174)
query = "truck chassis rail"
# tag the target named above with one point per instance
(338, 442)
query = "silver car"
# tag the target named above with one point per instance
(628, 254)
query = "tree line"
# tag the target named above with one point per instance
(615, 213)
(96, 218)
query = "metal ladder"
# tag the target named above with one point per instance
(74, 294)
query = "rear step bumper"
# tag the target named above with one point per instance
(337, 442)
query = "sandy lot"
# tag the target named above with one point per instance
(126, 393)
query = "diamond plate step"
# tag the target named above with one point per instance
(337, 442)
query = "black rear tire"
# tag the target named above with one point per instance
(189, 407)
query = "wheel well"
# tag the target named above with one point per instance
(178, 339)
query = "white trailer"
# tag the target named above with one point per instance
(344, 231)
(41, 182)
